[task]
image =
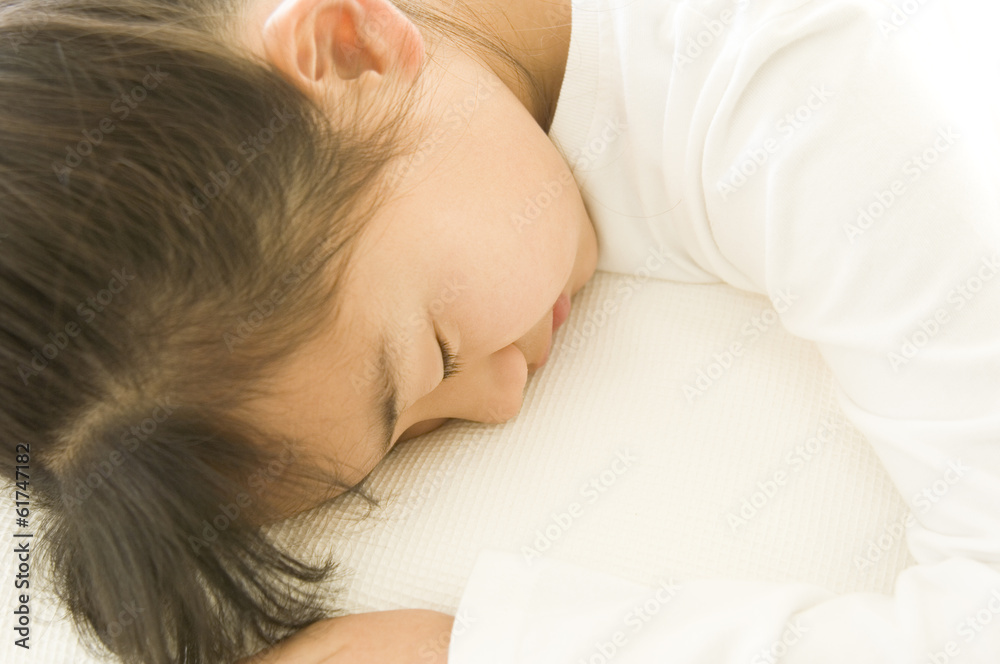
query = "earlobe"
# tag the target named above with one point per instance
(318, 43)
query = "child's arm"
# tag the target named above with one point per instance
(382, 637)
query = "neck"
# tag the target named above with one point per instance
(537, 34)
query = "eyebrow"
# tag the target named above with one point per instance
(388, 368)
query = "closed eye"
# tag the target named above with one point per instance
(451, 363)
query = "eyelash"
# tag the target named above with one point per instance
(451, 363)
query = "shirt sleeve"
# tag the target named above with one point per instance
(857, 178)
(870, 203)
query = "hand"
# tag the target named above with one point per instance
(408, 636)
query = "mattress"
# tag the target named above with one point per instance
(677, 432)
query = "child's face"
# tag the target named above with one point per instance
(484, 233)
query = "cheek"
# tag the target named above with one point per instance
(503, 302)
(512, 251)
(510, 284)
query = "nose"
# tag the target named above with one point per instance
(537, 344)
(499, 390)
(488, 389)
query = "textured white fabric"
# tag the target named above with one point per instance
(613, 385)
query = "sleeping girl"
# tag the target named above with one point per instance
(249, 246)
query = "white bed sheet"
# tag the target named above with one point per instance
(613, 465)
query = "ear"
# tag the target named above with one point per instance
(318, 43)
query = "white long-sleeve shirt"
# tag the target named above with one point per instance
(845, 153)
